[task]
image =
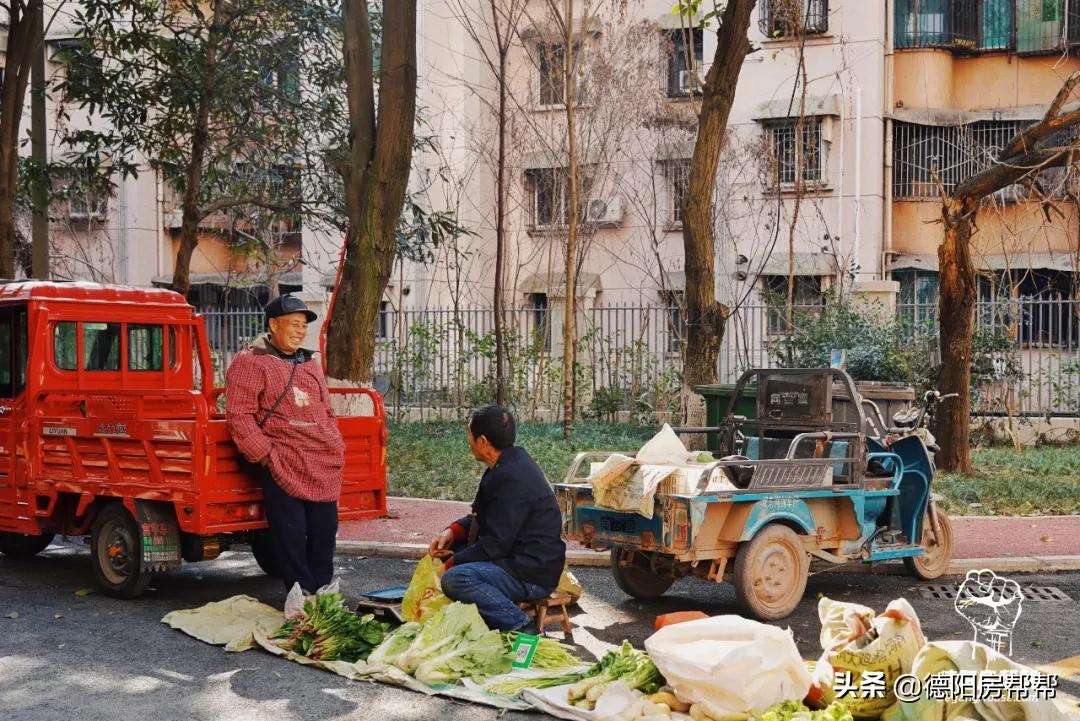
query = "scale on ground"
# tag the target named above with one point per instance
(384, 604)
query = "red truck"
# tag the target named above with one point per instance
(109, 427)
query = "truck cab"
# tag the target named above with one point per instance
(110, 428)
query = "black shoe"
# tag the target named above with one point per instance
(530, 628)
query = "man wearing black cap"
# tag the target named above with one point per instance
(279, 414)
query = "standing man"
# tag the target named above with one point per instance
(278, 408)
(510, 549)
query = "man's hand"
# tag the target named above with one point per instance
(441, 542)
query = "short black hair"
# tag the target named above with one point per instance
(495, 423)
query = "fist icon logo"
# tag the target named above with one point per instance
(991, 604)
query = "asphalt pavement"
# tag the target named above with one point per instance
(68, 655)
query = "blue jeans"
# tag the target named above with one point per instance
(494, 591)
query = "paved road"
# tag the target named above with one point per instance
(92, 657)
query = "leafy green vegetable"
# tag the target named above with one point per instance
(488, 655)
(395, 644)
(796, 711)
(550, 653)
(328, 631)
(449, 626)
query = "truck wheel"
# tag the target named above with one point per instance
(16, 545)
(116, 553)
(937, 552)
(771, 571)
(262, 547)
(638, 582)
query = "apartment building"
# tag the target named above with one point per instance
(893, 91)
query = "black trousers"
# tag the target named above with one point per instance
(304, 535)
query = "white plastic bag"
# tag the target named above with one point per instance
(294, 601)
(854, 640)
(944, 657)
(664, 449)
(729, 664)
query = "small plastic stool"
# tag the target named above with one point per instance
(553, 609)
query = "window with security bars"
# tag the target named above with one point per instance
(784, 18)
(958, 152)
(679, 45)
(551, 63)
(1027, 27)
(549, 196)
(808, 298)
(676, 177)
(793, 160)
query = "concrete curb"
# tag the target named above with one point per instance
(959, 566)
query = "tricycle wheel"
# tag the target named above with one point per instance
(937, 551)
(16, 545)
(635, 581)
(771, 571)
(262, 547)
(116, 553)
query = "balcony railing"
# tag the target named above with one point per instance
(1026, 27)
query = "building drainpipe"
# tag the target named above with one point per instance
(121, 232)
(890, 103)
(160, 229)
(858, 168)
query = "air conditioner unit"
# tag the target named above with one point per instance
(174, 219)
(604, 211)
(684, 78)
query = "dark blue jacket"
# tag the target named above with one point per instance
(519, 522)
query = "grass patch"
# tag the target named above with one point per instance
(1036, 481)
(432, 460)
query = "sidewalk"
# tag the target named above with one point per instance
(1004, 543)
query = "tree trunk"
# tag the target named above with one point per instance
(17, 65)
(957, 327)
(570, 308)
(200, 141)
(705, 318)
(376, 178)
(502, 384)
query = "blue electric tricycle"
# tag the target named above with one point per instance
(813, 476)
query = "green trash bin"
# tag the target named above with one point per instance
(717, 397)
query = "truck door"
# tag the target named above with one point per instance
(13, 350)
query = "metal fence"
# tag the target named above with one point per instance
(630, 357)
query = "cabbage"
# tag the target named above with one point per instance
(796, 711)
(449, 626)
(486, 656)
(395, 644)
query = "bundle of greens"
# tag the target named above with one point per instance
(796, 711)
(449, 627)
(550, 653)
(632, 667)
(488, 655)
(328, 631)
(628, 665)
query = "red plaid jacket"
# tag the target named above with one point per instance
(300, 442)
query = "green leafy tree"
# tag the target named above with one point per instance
(207, 93)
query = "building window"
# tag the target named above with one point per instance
(1025, 26)
(549, 196)
(1047, 311)
(382, 328)
(82, 67)
(783, 18)
(679, 44)
(808, 298)
(792, 161)
(957, 153)
(551, 62)
(918, 302)
(676, 178)
(539, 319)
